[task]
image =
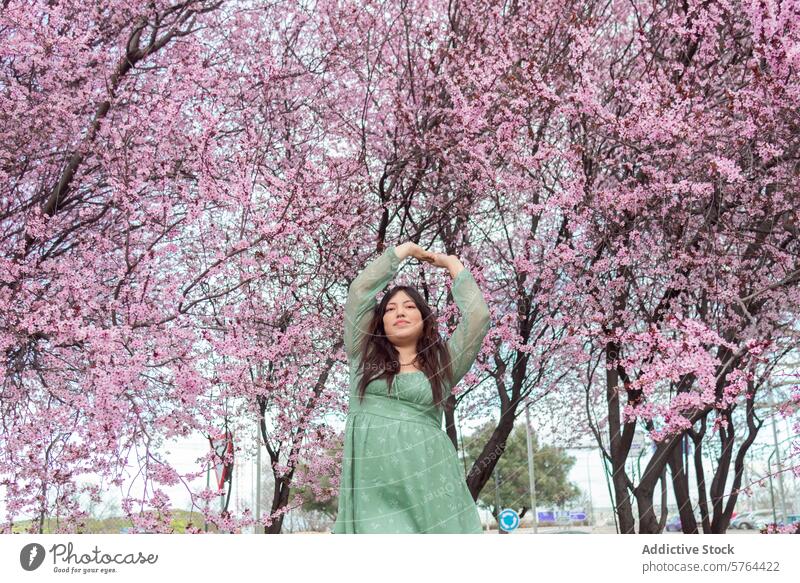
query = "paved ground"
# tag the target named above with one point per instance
(594, 530)
(576, 530)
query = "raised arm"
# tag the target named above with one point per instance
(361, 298)
(466, 340)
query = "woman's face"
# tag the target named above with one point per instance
(402, 320)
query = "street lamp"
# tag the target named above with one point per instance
(776, 452)
(530, 467)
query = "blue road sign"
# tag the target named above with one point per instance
(546, 516)
(509, 520)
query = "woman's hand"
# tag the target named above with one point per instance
(410, 249)
(443, 260)
(451, 262)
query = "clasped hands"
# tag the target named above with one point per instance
(410, 249)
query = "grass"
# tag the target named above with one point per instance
(117, 525)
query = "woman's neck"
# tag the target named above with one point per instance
(407, 355)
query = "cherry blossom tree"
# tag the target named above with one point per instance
(160, 184)
(686, 268)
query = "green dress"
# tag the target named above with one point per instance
(400, 472)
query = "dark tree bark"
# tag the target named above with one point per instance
(680, 486)
(620, 445)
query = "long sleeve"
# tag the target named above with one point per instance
(467, 338)
(361, 299)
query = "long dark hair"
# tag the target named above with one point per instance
(380, 359)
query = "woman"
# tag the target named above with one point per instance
(400, 472)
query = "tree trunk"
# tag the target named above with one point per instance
(648, 524)
(726, 438)
(722, 519)
(484, 465)
(702, 500)
(619, 447)
(680, 486)
(280, 498)
(662, 521)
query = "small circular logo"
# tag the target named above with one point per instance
(31, 556)
(509, 520)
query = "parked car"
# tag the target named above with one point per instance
(673, 523)
(736, 521)
(757, 519)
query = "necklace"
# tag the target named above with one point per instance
(410, 363)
